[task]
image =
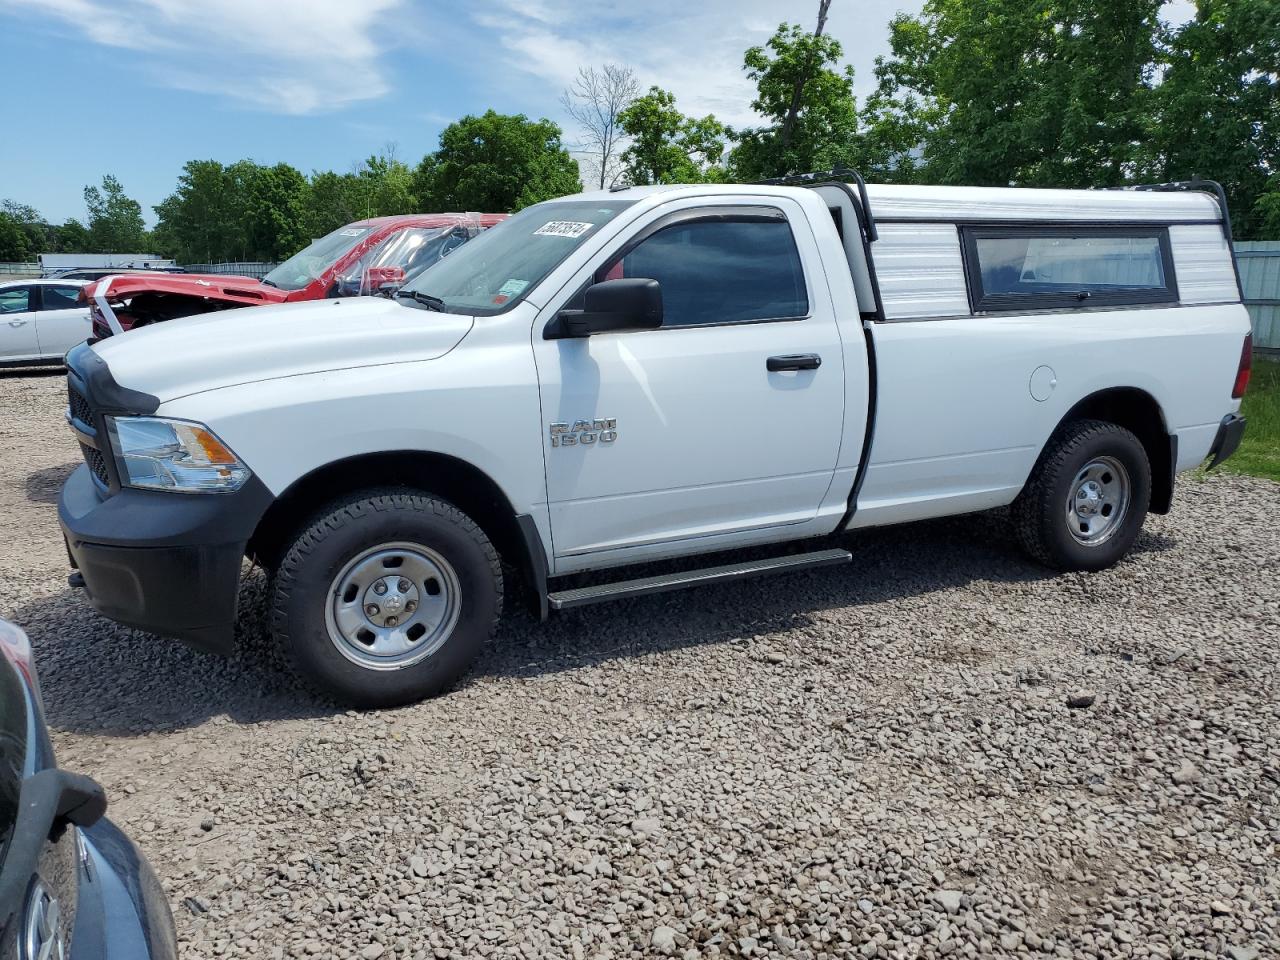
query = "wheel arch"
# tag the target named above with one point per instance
(466, 486)
(1140, 413)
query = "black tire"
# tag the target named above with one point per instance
(1040, 513)
(299, 601)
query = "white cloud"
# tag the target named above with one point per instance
(689, 47)
(284, 56)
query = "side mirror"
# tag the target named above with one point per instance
(48, 802)
(631, 304)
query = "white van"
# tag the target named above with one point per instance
(632, 376)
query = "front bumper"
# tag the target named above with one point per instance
(168, 563)
(122, 912)
(1227, 441)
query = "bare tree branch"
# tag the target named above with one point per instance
(594, 102)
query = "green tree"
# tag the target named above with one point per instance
(70, 237)
(667, 146)
(496, 163)
(115, 219)
(387, 185)
(14, 245)
(242, 211)
(1267, 213)
(275, 208)
(807, 101)
(333, 200)
(38, 233)
(202, 220)
(1035, 92)
(1217, 111)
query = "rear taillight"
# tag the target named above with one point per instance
(1246, 365)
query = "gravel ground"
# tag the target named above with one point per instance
(882, 760)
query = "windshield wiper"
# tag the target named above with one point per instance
(426, 299)
(270, 283)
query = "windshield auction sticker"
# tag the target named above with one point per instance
(563, 228)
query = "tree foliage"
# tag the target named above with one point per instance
(1035, 92)
(14, 245)
(667, 146)
(203, 219)
(115, 219)
(1217, 110)
(248, 211)
(496, 163)
(385, 184)
(806, 99)
(275, 211)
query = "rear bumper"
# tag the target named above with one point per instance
(1227, 441)
(162, 562)
(121, 912)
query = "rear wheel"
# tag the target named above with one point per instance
(1087, 497)
(386, 598)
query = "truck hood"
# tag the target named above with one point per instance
(210, 286)
(204, 352)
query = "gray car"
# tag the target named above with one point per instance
(72, 886)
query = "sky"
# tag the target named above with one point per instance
(138, 87)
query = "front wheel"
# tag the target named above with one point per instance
(386, 598)
(1087, 497)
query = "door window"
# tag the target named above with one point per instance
(59, 297)
(15, 300)
(720, 269)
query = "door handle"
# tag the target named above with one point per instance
(17, 323)
(794, 361)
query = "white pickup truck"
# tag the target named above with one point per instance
(629, 377)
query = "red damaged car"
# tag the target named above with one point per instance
(366, 257)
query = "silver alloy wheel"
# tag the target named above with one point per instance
(1098, 501)
(393, 605)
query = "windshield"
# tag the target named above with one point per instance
(300, 269)
(492, 272)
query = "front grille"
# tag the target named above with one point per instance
(80, 409)
(97, 464)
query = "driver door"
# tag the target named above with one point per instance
(683, 439)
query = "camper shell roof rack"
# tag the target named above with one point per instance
(836, 177)
(1194, 185)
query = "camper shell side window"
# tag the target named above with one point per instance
(1037, 267)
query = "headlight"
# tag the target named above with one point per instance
(158, 454)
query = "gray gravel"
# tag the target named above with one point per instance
(943, 750)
